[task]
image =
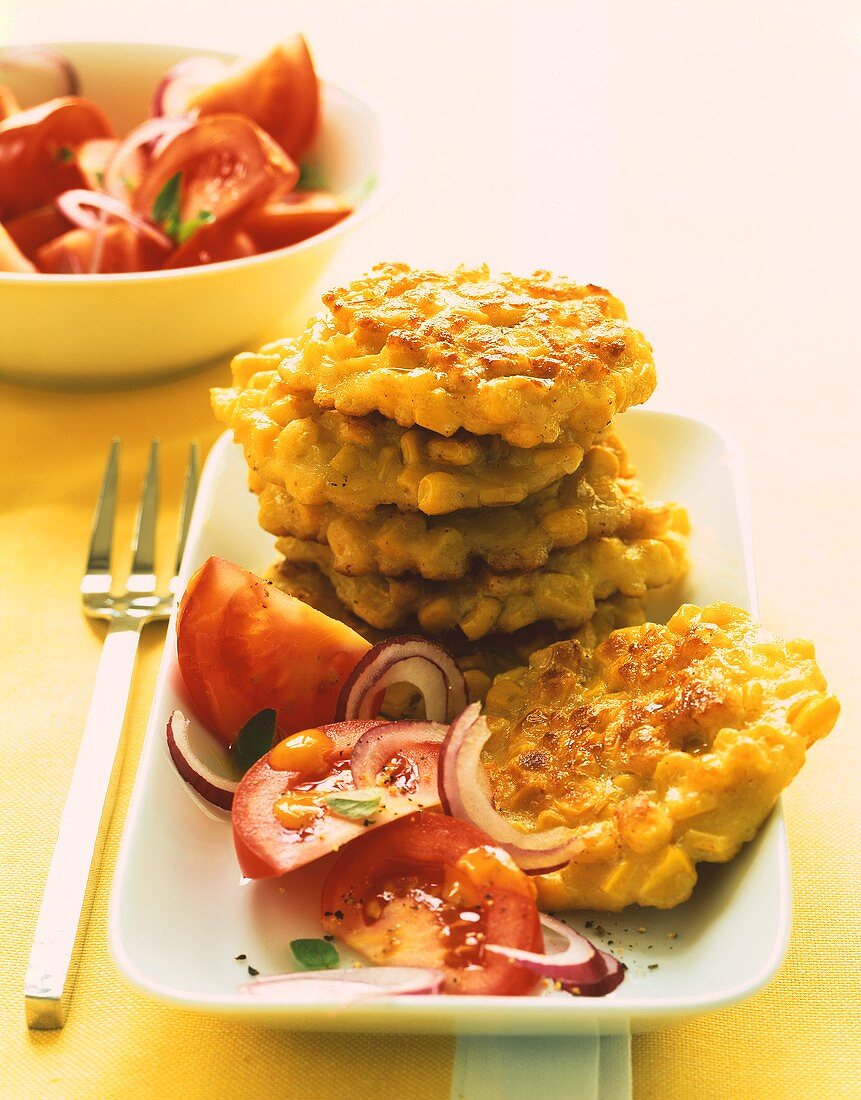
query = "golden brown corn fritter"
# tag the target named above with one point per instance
(437, 452)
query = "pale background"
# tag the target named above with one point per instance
(702, 160)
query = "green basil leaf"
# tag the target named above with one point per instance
(355, 805)
(165, 209)
(311, 178)
(314, 954)
(65, 155)
(190, 227)
(254, 740)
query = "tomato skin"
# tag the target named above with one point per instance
(34, 167)
(35, 228)
(11, 256)
(227, 164)
(124, 249)
(213, 244)
(279, 92)
(243, 646)
(265, 849)
(294, 218)
(420, 845)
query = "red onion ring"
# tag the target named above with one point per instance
(417, 741)
(407, 659)
(347, 986)
(214, 788)
(465, 793)
(181, 81)
(73, 205)
(345, 735)
(613, 978)
(578, 965)
(144, 142)
(32, 57)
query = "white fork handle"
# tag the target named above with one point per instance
(68, 895)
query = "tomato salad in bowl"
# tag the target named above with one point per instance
(212, 175)
(430, 883)
(154, 216)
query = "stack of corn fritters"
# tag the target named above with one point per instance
(435, 453)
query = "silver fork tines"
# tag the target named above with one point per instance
(65, 909)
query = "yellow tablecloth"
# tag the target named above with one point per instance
(703, 161)
(799, 1038)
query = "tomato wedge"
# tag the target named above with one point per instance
(38, 151)
(430, 890)
(225, 164)
(243, 646)
(94, 156)
(121, 249)
(11, 256)
(279, 92)
(35, 228)
(212, 244)
(265, 847)
(293, 218)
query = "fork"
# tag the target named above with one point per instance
(66, 902)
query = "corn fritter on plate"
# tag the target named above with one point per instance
(664, 746)
(602, 498)
(565, 591)
(523, 358)
(480, 660)
(320, 456)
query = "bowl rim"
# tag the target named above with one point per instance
(383, 183)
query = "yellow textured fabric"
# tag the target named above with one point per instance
(799, 1038)
(117, 1043)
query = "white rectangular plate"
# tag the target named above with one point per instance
(179, 914)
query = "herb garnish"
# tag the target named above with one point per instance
(254, 740)
(64, 155)
(314, 954)
(166, 212)
(355, 805)
(310, 178)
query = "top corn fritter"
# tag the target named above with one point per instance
(527, 359)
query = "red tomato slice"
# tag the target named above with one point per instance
(11, 256)
(94, 156)
(279, 92)
(265, 848)
(293, 218)
(428, 891)
(38, 152)
(226, 164)
(243, 646)
(211, 244)
(122, 249)
(35, 228)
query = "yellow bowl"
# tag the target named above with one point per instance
(116, 330)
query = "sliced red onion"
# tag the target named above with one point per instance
(180, 83)
(418, 741)
(466, 794)
(346, 734)
(333, 986)
(78, 203)
(580, 967)
(47, 61)
(208, 784)
(614, 976)
(407, 659)
(142, 144)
